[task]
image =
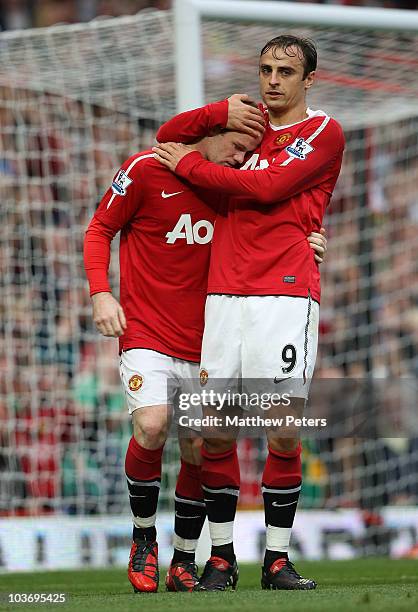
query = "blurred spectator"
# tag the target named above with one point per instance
(18, 14)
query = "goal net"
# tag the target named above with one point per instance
(77, 100)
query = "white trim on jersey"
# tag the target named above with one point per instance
(311, 113)
(137, 159)
(310, 138)
(319, 130)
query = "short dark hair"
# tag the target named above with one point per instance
(305, 45)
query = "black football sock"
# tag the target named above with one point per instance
(220, 483)
(190, 512)
(180, 555)
(143, 474)
(271, 556)
(144, 534)
(226, 551)
(282, 480)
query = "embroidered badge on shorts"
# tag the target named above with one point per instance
(135, 382)
(203, 377)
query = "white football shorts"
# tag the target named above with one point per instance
(273, 338)
(150, 378)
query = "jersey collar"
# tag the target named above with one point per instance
(310, 113)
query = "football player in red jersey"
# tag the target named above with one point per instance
(262, 311)
(166, 229)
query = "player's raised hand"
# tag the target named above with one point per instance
(108, 315)
(170, 153)
(318, 242)
(244, 115)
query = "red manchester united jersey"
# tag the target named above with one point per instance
(277, 198)
(166, 230)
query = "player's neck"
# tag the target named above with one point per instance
(289, 116)
(200, 146)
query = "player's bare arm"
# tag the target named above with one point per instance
(108, 315)
(244, 115)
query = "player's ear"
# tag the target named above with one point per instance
(309, 80)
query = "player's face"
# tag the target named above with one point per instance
(229, 148)
(282, 85)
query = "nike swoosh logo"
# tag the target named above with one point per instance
(277, 505)
(278, 380)
(170, 195)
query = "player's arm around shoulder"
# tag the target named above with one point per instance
(312, 158)
(238, 112)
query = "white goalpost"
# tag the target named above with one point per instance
(75, 101)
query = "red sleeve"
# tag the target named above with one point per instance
(194, 124)
(321, 146)
(118, 205)
(97, 256)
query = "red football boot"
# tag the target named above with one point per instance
(182, 576)
(143, 571)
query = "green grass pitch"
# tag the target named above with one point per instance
(373, 585)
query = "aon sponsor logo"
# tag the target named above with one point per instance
(200, 232)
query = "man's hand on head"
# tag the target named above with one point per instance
(108, 315)
(171, 153)
(318, 243)
(244, 115)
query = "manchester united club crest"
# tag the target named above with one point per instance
(284, 138)
(135, 382)
(203, 377)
